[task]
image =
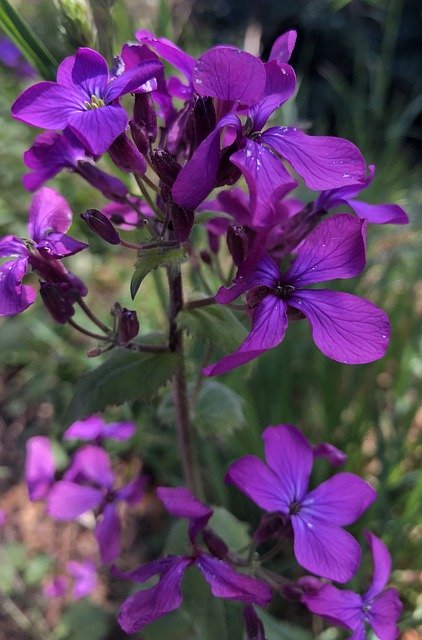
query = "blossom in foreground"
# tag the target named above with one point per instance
(49, 219)
(95, 428)
(378, 608)
(146, 606)
(85, 98)
(321, 545)
(345, 328)
(89, 484)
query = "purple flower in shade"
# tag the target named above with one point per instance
(374, 213)
(146, 606)
(84, 578)
(84, 98)
(39, 467)
(2, 517)
(55, 587)
(321, 545)
(95, 428)
(49, 219)
(11, 57)
(124, 216)
(236, 79)
(345, 328)
(89, 484)
(378, 608)
(53, 152)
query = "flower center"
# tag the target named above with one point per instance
(294, 508)
(95, 103)
(284, 290)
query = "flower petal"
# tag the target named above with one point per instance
(48, 212)
(254, 272)
(269, 323)
(251, 476)
(146, 606)
(169, 51)
(84, 576)
(47, 105)
(379, 213)
(229, 74)
(107, 533)
(227, 583)
(335, 248)
(15, 297)
(91, 464)
(290, 456)
(12, 246)
(133, 491)
(283, 47)
(340, 500)
(68, 500)
(39, 467)
(323, 162)
(384, 614)
(280, 86)
(181, 502)
(340, 607)
(98, 128)
(132, 79)
(335, 456)
(87, 70)
(381, 560)
(267, 179)
(324, 548)
(345, 328)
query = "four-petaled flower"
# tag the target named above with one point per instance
(321, 545)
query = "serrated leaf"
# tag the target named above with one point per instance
(204, 216)
(27, 41)
(124, 376)
(151, 259)
(218, 409)
(215, 324)
(234, 532)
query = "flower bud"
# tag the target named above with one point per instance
(202, 120)
(205, 257)
(166, 166)
(237, 243)
(101, 225)
(216, 546)
(126, 156)
(111, 187)
(127, 324)
(57, 302)
(182, 220)
(228, 173)
(254, 627)
(144, 115)
(76, 23)
(139, 137)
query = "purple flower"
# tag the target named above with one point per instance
(84, 98)
(55, 587)
(236, 79)
(328, 451)
(89, 484)
(345, 328)
(95, 428)
(124, 216)
(148, 605)
(11, 57)
(378, 608)
(321, 545)
(49, 219)
(39, 467)
(374, 213)
(84, 578)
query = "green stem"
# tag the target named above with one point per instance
(91, 315)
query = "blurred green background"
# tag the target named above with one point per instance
(358, 64)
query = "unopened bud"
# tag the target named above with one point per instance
(111, 187)
(56, 301)
(166, 166)
(101, 225)
(76, 23)
(254, 627)
(139, 137)
(127, 325)
(182, 220)
(126, 156)
(237, 243)
(144, 115)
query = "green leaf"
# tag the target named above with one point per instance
(218, 410)
(27, 41)
(124, 376)
(277, 630)
(215, 324)
(36, 569)
(85, 621)
(204, 216)
(234, 532)
(206, 613)
(151, 259)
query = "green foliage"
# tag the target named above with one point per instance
(276, 630)
(214, 324)
(151, 259)
(234, 532)
(125, 376)
(83, 621)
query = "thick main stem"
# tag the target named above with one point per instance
(185, 429)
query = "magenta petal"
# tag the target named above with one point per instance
(39, 467)
(12, 246)
(91, 464)
(251, 476)
(15, 297)
(60, 245)
(229, 74)
(345, 328)
(132, 79)
(133, 491)
(252, 273)
(283, 47)
(107, 533)
(87, 70)
(359, 633)
(227, 583)
(146, 606)
(334, 249)
(68, 500)
(381, 560)
(198, 177)
(94, 427)
(340, 500)
(267, 179)
(181, 502)
(340, 607)
(324, 548)
(48, 212)
(384, 614)
(280, 86)
(47, 105)
(323, 162)
(84, 576)
(269, 323)
(169, 51)
(145, 572)
(98, 128)
(335, 456)
(379, 213)
(290, 456)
